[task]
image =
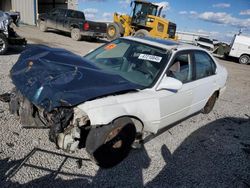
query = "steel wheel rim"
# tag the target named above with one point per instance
(75, 34)
(111, 31)
(244, 60)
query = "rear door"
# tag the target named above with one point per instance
(205, 79)
(61, 20)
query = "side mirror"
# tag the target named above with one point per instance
(169, 83)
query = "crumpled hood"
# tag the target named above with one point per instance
(51, 78)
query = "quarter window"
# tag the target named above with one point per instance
(204, 65)
(181, 68)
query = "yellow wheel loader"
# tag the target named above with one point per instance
(145, 20)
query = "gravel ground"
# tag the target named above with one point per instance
(203, 151)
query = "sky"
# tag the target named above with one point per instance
(220, 19)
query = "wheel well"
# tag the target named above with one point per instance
(74, 26)
(137, 122)
(245, 54)
(217, 93)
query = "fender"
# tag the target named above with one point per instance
(105, 110)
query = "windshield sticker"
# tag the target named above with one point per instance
(110, 46)
(150, 58)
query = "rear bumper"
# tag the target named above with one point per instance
(93, 34)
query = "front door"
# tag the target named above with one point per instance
(175, 105)
(52, 18)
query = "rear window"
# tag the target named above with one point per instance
(75, 14)
(204, 65)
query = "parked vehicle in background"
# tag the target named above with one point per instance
(239, 48)
(145, 20)
(71, 21)
(7, 34)
(205, 43)
(116, 95)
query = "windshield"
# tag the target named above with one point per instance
(136, 62)
(145, 9)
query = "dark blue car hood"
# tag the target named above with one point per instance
(51, 78)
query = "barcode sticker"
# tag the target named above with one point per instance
(150, 58)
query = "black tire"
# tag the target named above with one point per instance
(121, 28)
(210, 104)
(43, 26)
(3, 44)
(141, 33)
(76, 34)
(113, 31)
(244, 59)
(109, 145)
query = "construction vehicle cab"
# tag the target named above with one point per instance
(145, 20)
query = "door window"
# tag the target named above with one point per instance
(54, 12)
(204, 65)
(181, 68)
(62, 12)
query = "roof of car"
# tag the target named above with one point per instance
(163, 43)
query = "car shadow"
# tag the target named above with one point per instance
(85, 38)
(216, 155)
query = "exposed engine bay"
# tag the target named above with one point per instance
(67, 125)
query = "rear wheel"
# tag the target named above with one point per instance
(141, 33)
(210, 104)
(244, 59)
(42, 26)
(76, 34)
(113, 31)
(110, 144)
(3, 44)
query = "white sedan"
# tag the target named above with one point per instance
(116, 94)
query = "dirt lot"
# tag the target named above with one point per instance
(204, 151)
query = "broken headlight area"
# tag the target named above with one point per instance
(68, 126)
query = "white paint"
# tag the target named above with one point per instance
(240, 45)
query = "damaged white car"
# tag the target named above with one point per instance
(115, 95)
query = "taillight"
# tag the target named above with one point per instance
(86, 26)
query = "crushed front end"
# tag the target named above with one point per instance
(49, 86)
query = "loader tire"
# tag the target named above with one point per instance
(141, 33)
(113, 31)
